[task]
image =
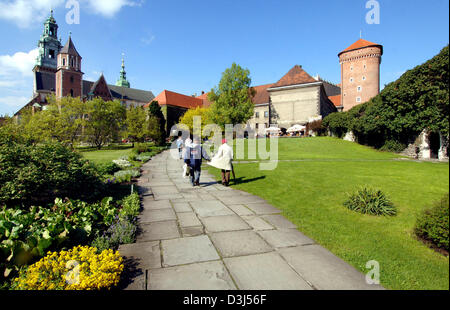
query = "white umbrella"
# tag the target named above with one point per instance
(296, 128)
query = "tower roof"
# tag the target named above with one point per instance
(69, 48)
(295, 76)
(50, 19)
(361, 43)
(122, 81)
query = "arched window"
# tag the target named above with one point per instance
(64, 61)
(71, 93)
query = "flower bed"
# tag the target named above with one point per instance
(80, 268)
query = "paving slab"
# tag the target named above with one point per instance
(279, 221)
(240, 210)
(158, 231)
(233, 199)
(224, 223)
(168, 196)
(239, 243)
(192, 231)
(210, 208)
(266, 271)
(150, 216)
(188, 219)
(257, 223)
(151, 204)
(146, 255)
(164, 190)
(181, 207)
(200, 276)
(324, 270)
(188, 250)
(285, 238)
(262, 208)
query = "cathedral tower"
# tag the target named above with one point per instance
(49, 46)
(69, 78)
(122, 81)
(360, 73)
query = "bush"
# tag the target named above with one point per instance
(107, 168)
(131, 206)
(122, 232)
(126, 175)
(142, 148)
(316, 127)
(432, 225)
(38, 174)
(122, 162)
(393, 146)
(80, 268)
(143, 158)
(370, 201)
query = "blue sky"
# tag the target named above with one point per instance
(184, 46)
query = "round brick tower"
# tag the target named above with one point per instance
(360, 72)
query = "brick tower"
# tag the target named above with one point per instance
(69, 78)
(360, 72)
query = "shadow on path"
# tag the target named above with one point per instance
(243, 180)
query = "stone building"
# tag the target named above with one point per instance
(360, 72)
(58, 71)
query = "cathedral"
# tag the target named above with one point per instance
(58, 71)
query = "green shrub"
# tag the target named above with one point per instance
(143, 158)
(393, 146)
(126, 175)
(38, 174)
(131, 206)
(142, 148)
(107, 168)
(370, 201)
(432, 224)
(121, 232)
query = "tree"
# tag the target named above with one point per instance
(232, 99)
(156, 113)
(188, 118)
(105, 121)
(154, 130)
(137, 127)
(63, 119)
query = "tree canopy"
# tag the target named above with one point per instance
(232, 98)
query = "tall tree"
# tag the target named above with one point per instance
(188, 118)
(232, 98)
(137, 127)
(155, 111)
(105, 121)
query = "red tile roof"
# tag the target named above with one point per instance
(262, 95)
(361, 43)
(336, 100)
(178, 100)
(295, 76)
(204, 98)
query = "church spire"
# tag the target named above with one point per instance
(122, 81)
(49, 46)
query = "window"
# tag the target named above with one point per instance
(359, 89)
(358, 99)
(257, 115)
(351, 80)
(351, 68)
(256, 125)
(71, 93)
(365, 66)
(363, 78)
(51, 54)
(64, 61)
(71, 79)
(266, 113)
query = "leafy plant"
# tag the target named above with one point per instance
(433, 224)
(126, 175)
(131, 206)
(370, 201)
(107, 168)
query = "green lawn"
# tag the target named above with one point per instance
(311, 192)
(105, 155)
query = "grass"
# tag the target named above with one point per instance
(311, 194)
(105, 155)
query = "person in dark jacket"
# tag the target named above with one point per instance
(196, 153)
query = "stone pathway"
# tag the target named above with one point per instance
(216, 238)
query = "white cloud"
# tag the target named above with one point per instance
(26, 12)
(14, 101)
(109, 8)
(148, 40)
(18, 65)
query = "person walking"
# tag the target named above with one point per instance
(186, 157)
(197, 154)
(223, 161)
(180, 146)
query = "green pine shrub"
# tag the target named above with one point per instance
(432, 225)
(370, 201)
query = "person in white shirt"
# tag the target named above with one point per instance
(223, 160)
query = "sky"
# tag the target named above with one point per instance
(185, 45)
